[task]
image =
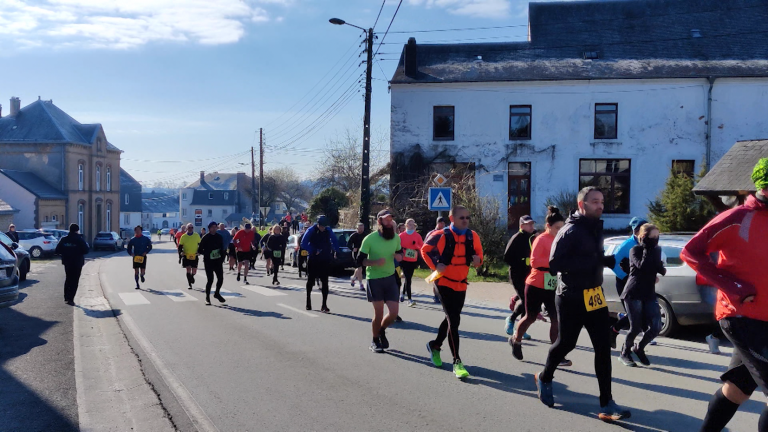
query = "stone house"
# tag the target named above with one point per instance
(39, 204)
(215, 196)
(6, 215)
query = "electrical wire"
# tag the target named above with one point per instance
(379, 15)
(388, 27)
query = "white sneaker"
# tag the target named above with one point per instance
(714, 344)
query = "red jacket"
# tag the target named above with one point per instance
(739, 236)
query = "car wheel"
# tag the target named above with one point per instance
(36, 252)
(668, 321)
(115, 248)
(24, 270)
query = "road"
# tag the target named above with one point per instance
(261, 362)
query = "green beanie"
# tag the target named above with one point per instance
(760, 174)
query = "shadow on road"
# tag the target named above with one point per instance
(253, 312)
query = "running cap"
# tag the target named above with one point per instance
(384, 213)
(760, 174)
(440, 220)
(526, 219)
(73, 228)
(247, 226)
(637, 222)
(212, 223)
(322, 220)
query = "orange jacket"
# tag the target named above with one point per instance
(455, 275)
(542, 246)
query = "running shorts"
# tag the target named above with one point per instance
(243, 256)
(141, 265)
(749, 364)
(383, 289)
(189, 263)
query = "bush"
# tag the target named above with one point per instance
(677, 208)
(328, 202)
(565, 201)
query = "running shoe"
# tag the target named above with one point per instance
(325, 309)
(352, 281)
(714, 344)
(142, 279)
(566, 362)
(437, 300)
(246, 282)
(70, 302)
(398, 319)
(509, 326)
(218, 297)
(362, 287)
(276, 282)
(137, 287)
(544, 391)
(207, 300)
(376, 346)
(383, 339)
(435, 355)
(613, 412)
(517, 349)
(653, 343)
(309, 306)
(411, 303)
(526, 336)
(614, 335)
(238, 277)
(402, 298)
(641, 356)
(460, 370)
(627, 360)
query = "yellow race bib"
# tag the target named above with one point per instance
(594, 299)
(191, 257)
(138, 259)
(550, 282)
(304, 253)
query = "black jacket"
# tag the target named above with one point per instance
(355, 240)
(518, 254)
(577, 253)
(72, 249)
(277, 243)
(644, 264)
(13, 235)
(209, 243)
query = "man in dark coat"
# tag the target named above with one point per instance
(72, 249)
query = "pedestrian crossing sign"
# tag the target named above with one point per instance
(440, 198)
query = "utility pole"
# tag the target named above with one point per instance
(253, 181)
(365, 180)
(261, 174)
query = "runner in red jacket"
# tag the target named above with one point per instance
(739, 237)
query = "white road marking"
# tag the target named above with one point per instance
(178, 295)
(297, 310)
(263, 291)
(228, 293)
(133, 298)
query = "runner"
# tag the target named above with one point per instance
(263, 248)
(295, 225)
(451, 252)
(188, 245)
(621, 270)
(302, 254)
(738, 236)
(275, 250)
(212, 249)
(242, 241)
(255, 249)
(540, 286)
(138, 248)
(439, 226)
(412, 243)
(378, 252)
(320, 243)
(202, 232)
(227, 237)
(180, 233)
(518, 256)
(354, 243)
(577, 254)
(231, 250)
(285, 232)
(72, 248)
(639, 296)
(400, 228)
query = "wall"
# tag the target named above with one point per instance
(49, 208)
(20, 199)
(45, 160)
(217, 215)
(5, 221)
(658, 121)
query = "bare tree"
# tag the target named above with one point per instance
(341, 163)
(289, 187)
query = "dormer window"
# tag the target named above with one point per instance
(226, 195)
(210, 195)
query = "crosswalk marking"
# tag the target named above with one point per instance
(133, 298)
(178, 295)
(297, 310)
(228, 293)
(263, 291)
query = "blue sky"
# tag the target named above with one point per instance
(182, 85)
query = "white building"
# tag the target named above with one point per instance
(130, 204)
(159, 211)
(615, 105)
(215, 196)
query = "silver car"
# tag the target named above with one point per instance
(107, 240)
(9, 276)
(684, 297)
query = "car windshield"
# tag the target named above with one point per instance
(344, 238)
(5, 239)
(671, 256)
(104, 235)
(49, 237)
(5, 255)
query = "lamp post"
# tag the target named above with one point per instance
(365, 180)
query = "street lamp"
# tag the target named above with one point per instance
(365, 180)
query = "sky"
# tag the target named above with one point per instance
(183, 86)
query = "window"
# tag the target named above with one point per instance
(80, 177)
(98, 178)
(520, 122)
(224, 212)
(183, 212)
(671, 256)
(127, 219)
(210, 212)
(612, 177)
(98, 144)
(606, 120)
(226, 195)
(126, 199)
(45, 219)
(109, 216)
(684, 167)
(80, 215)
(109, 179)
(443, 121)
(210, 195)
(184, 196)
(53, 218)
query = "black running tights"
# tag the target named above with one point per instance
(452, 302)
(211, 268)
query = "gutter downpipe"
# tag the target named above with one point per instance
(711, 81)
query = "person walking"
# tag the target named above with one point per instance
(540, 286)
(227, 237)
(255, 248)
(621, 270)
(12, 234)
(439, 226)
(738, 237)
(354, 243)
(517, 255)
(212, 249)
(320, 243)
(188, 245)
(577, 256)
(231, 250)
(451, 252)
(243, 241)
(138, 248)
(378, 254)
(72, 248)
(412, 243)
(639, 296)
(275, 251)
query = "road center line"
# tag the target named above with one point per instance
(297, 310)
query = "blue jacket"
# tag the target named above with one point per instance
(621, 253)
(324, 242)
(139, 245)
(226, 236)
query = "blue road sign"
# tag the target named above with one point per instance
(440, 198)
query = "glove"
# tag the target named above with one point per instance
(609, 261)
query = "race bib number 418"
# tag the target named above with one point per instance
(594, 299)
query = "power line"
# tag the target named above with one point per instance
(388, 27)
(379, 15)
(459, 29)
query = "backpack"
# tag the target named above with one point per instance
(450, 245)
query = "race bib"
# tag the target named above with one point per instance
(215, 254)
(594, 299)
(304, 253)
(410, 253)
(191, 257)
(550, 282)
(138, 259)
(277, 254)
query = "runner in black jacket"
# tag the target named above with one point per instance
(212, 249)
(518, 258)
(577, 254)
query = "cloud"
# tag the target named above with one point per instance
(121, 24)
(473, 8)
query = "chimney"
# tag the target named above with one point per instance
(1, 111)
(202, 176)
(411, 59)
(15, 106)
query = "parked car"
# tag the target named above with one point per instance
(165, 231)
(146, 234)
(107, 240)
(344, 258)
(56, 233)
(684, 297)
(9, 276)
(22, 256)
(37, 243)
(290, 250)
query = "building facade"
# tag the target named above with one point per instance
(130, 204)
(582, 107)
(160, 211)
(39, 204)
(215, 196)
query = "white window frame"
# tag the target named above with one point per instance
(109, 217)
(210, 195)
(98, 178)
(184, 196)
(80, 178)
(81, 216)
(127, 219)
(183, 212)
(109, 179)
